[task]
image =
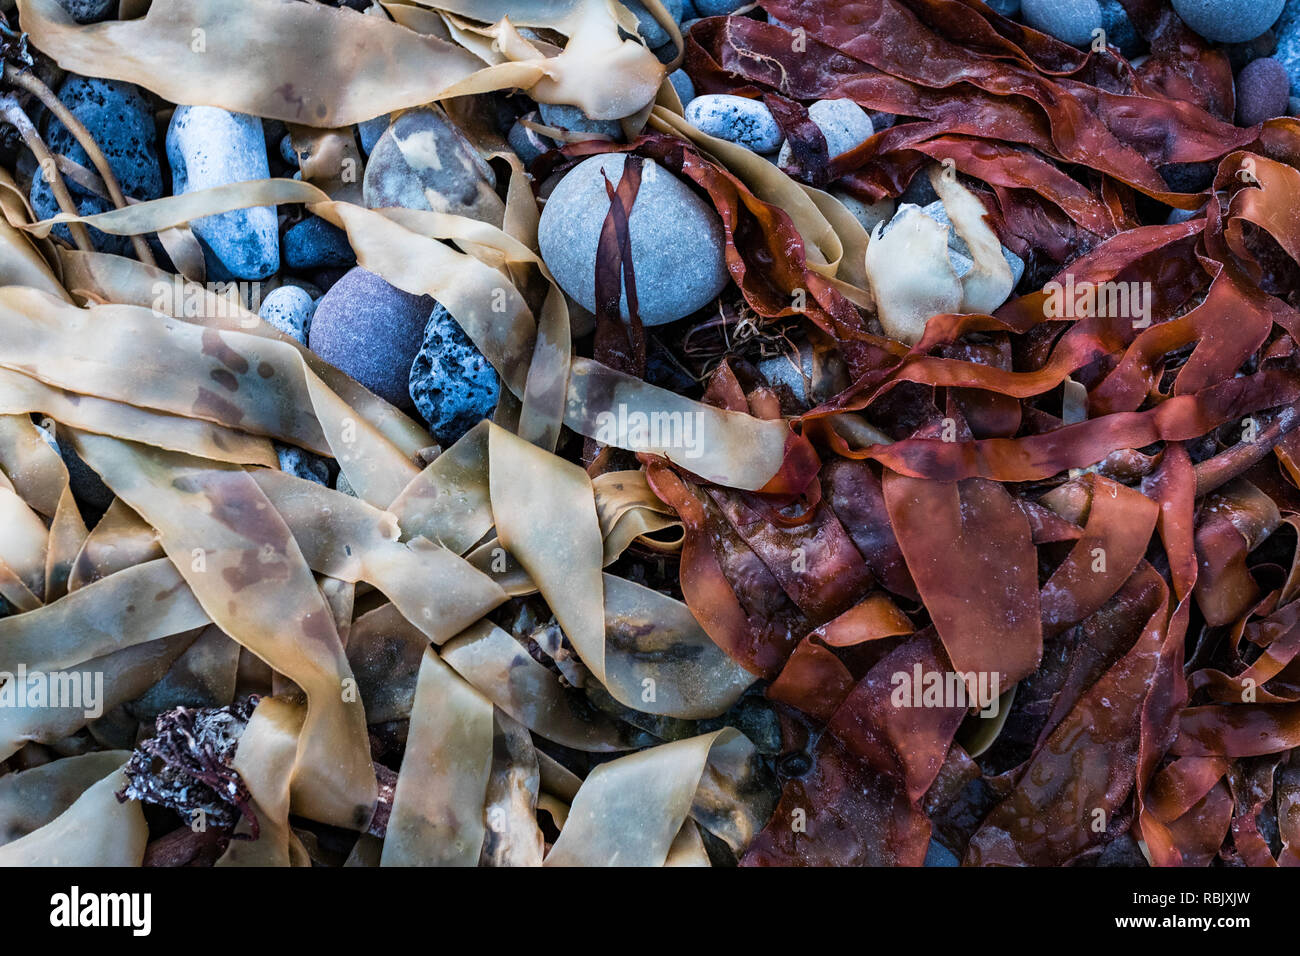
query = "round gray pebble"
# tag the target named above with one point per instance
(1070, 21)
(654, 34)
(289, 309)
(303, 464)
(718, 8)
(563, 116)
(683, 85)
(1228, 21)
(844, 123)
(739, 120)
(90, 11)
(527, 143)
(452, 384)
(676, 238)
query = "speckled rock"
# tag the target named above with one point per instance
(287, 152)
(90, 11)
(120, 119)
(563, 116)
(527, 143)
(1228, 21)
(452, 384)
(1008, 8)
(208, 146)
(649, 28)
(748, 123)
(676, 238)
(1288, 42)
(372, 331)
(422, 161)
(289, 309)
(317, 244)
(303, 464)
(683, 85)
(844, 123)
(1070, 21)
(1263, 89)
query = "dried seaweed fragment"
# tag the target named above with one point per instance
(187, 766)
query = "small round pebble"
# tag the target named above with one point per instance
(844, 123)
(287, 152)
(676, 239)
(1228, 21)
(738, 119)
(1120, 31)
(1070, 21)
(370, 131)
(289, 309)
(372, 331)
(1287, 51)
(649, 28)
(1008, 8)
(563, 116)
(317, 244)
(1263, 89)
(453, 386)
(683, 85)
(869, 214)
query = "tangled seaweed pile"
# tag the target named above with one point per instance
(1011, 580)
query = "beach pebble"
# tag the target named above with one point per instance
(119, 118)
(372, 331)
(718, 8)
(317, 244)
(289, 309)
(563, 116)
(939, 213)
(1293, 106)
(302, 464)
(84, 482)
(452, 384)
(1070, 21)
(651, 32)
(740, 120)
(1228, 21)
(869, 214)
(676, 238)
(1263, 89)
(527, 143)
(683, 85)
(369, 132)
(939, 855)
(208, 146)
(1008, 8)
(422, 161)
(844, 123)
(287, 152)
(1287, 51)
(90, 11)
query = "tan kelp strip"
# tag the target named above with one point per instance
(95, 831)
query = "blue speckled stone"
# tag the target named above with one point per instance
(1120, 31)
(452, 384)
(289, 309)
(563, 116)
(90, 11)
(303, 464)
(1288, 42)
(317, 244)
(737, 119)
(120, 119)
(1263, 89)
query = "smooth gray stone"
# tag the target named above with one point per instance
(208, 146)
(939, 214)
(1070, 21)
(563, 116)
(737, 119)
(527, 143)
(90, 11)
(683, 85)
(676, 239)
(651, 32)
(302, 464)
(844, 123)
(1229, 21)
(1288, 43)
(289, 309)
(422, 161)
(370, 131)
